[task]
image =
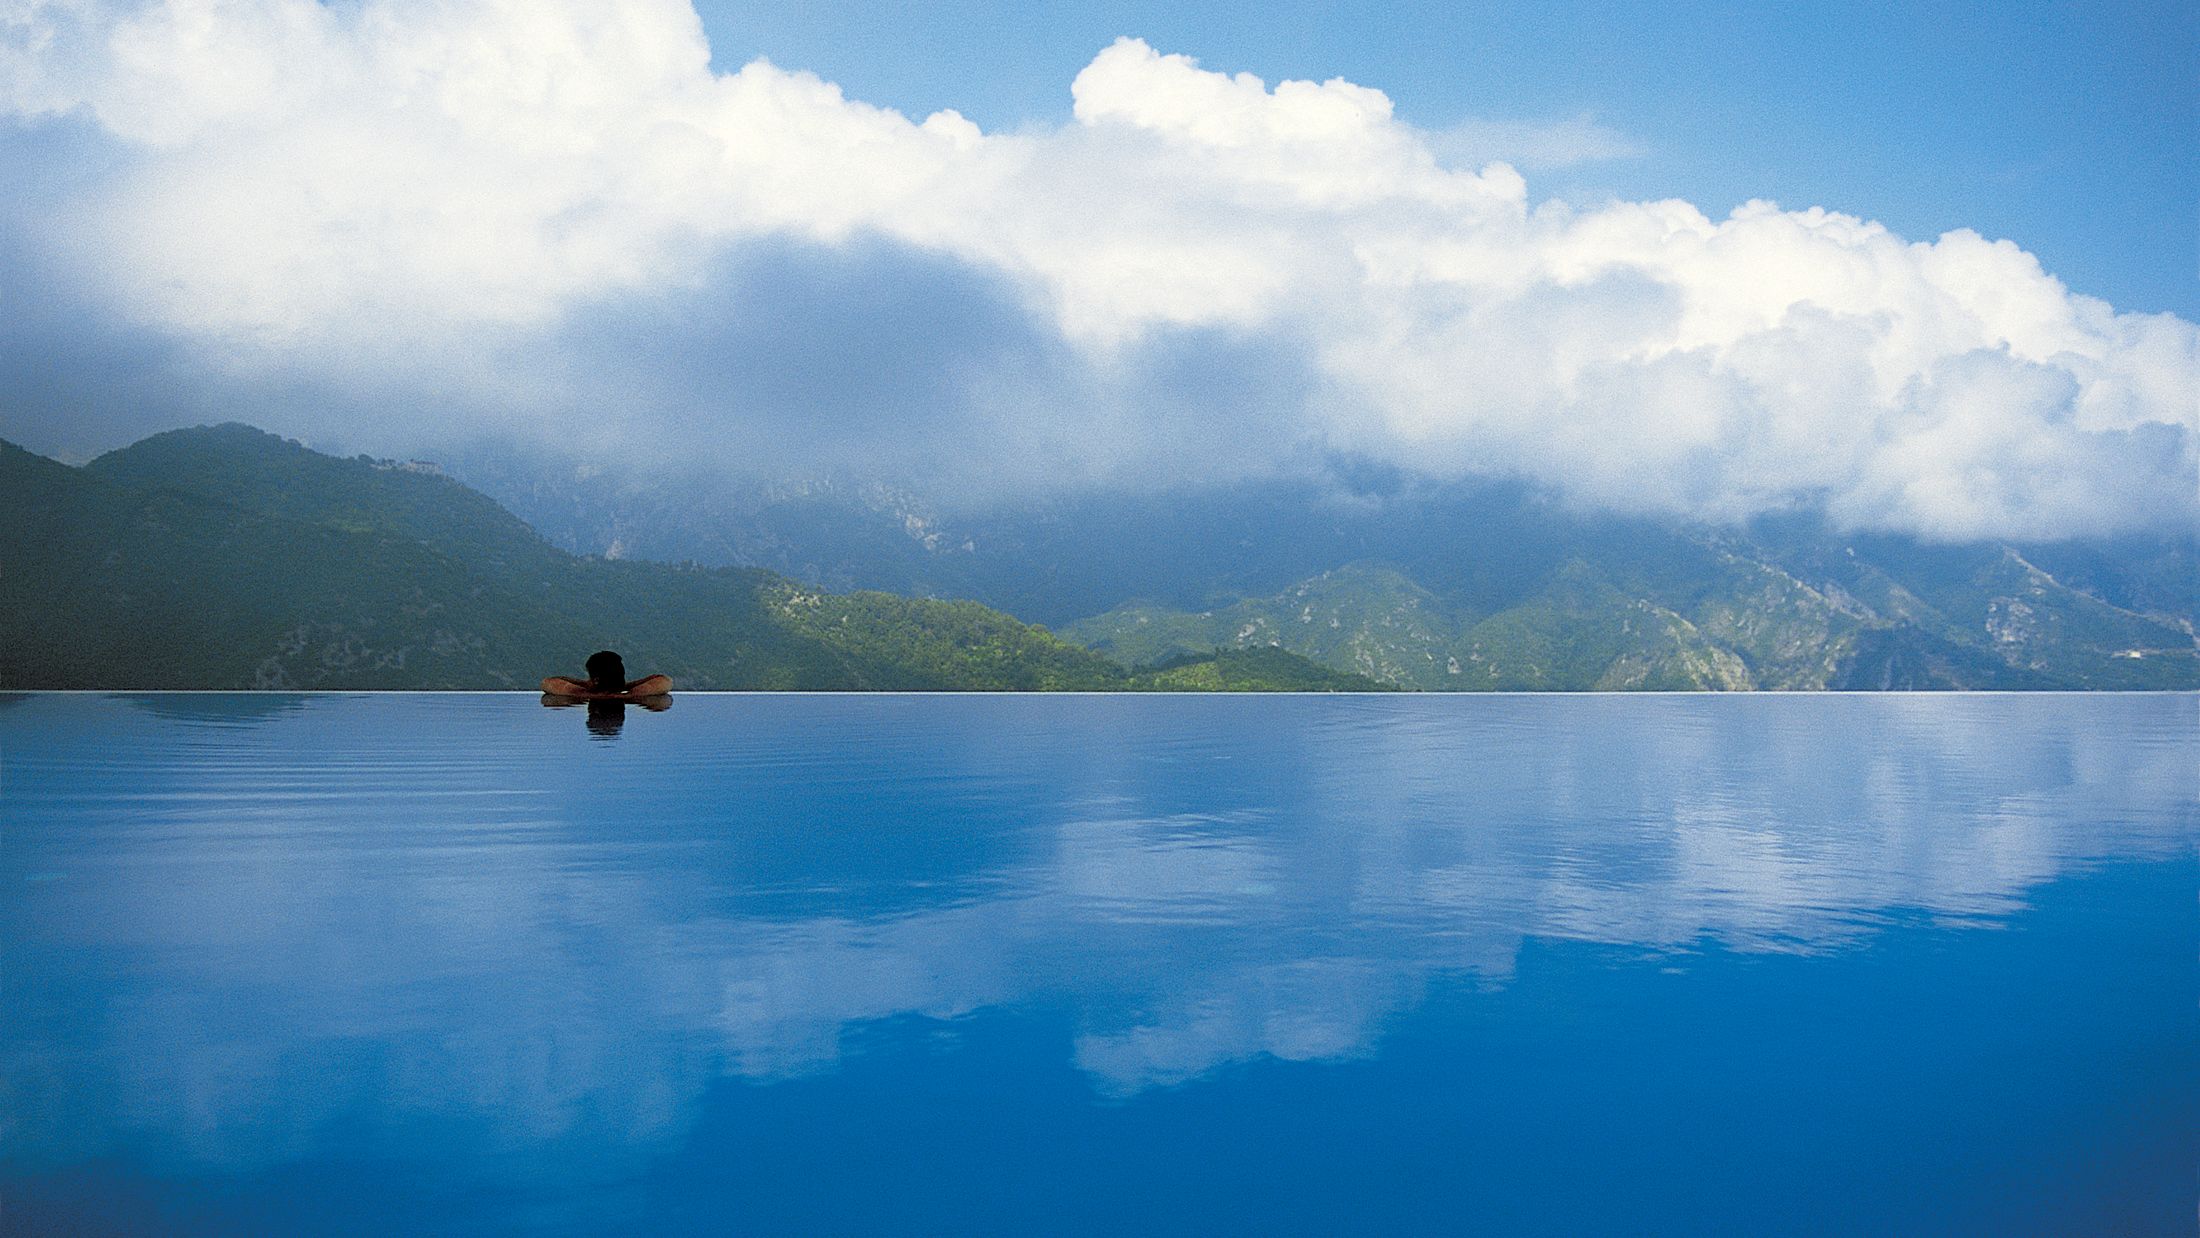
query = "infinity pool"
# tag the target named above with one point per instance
(1049, 964)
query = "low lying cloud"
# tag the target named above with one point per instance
(433, 217)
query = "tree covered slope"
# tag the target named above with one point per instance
(223, 557)
(2004, 623)
(1473, 584)
(228, 558)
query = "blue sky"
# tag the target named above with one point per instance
(2070, 128)
(1921, 267)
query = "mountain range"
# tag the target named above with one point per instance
(224, 557)
(1467, 585)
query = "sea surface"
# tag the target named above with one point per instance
(398, 964)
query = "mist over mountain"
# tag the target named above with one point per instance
(372, 228)
(1205, 361)
(227, 558)
(1465, 585)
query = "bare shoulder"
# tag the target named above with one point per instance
(581, 689)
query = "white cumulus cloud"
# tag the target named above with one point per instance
(426, 186)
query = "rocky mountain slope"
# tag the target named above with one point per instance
(1482, 585)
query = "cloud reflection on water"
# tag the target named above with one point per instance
(222, 940)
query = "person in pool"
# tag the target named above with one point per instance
(606, 681)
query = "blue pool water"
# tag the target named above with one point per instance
(1564, 965)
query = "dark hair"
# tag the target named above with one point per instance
(606, 671)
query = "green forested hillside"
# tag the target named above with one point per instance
(228, 558)
(260, 472)
(1476, 583)
(1250, 670)
(1737, 621)
(224, 557)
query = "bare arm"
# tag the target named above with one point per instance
(651, 685)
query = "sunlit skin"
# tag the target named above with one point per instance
(605, 681)
(641, 689)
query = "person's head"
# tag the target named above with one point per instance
(606, 671)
